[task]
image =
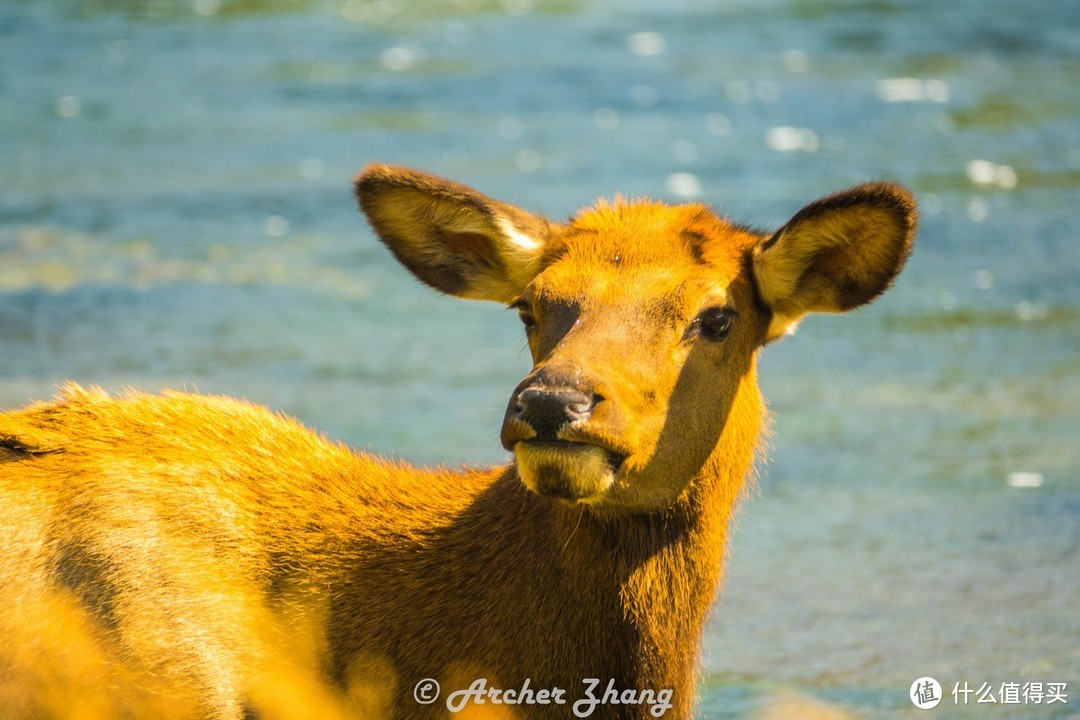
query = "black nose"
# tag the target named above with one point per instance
(547, 410)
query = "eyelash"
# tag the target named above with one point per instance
(524, 314)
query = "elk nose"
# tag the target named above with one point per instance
(547, 410)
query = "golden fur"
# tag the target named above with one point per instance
(184, 556)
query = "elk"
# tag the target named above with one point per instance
(188, 556)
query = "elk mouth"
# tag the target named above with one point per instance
(615, 459)
(567, 470)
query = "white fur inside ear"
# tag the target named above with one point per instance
(782, 325)
(520, 256)
(518, 238)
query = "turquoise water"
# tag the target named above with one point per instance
(175, 211)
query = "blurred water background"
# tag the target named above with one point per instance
(176, 211)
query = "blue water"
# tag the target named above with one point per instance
(176, 211)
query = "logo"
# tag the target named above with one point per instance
(426, 691)
(925, 693)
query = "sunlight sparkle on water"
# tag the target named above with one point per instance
(986, 174)
(398, 58)
(1026, 480)
(646, 44)
(909, 89)
(68, 106)
(605, 118)
(684, 185)
(792, 139)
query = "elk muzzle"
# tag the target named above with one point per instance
(543, 428)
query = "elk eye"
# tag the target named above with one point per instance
(526, 317)
(715, 323)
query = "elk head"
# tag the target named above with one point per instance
(643, 319)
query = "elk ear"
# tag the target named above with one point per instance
(450, 236)
(836, 254)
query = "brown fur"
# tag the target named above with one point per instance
(182, 556)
